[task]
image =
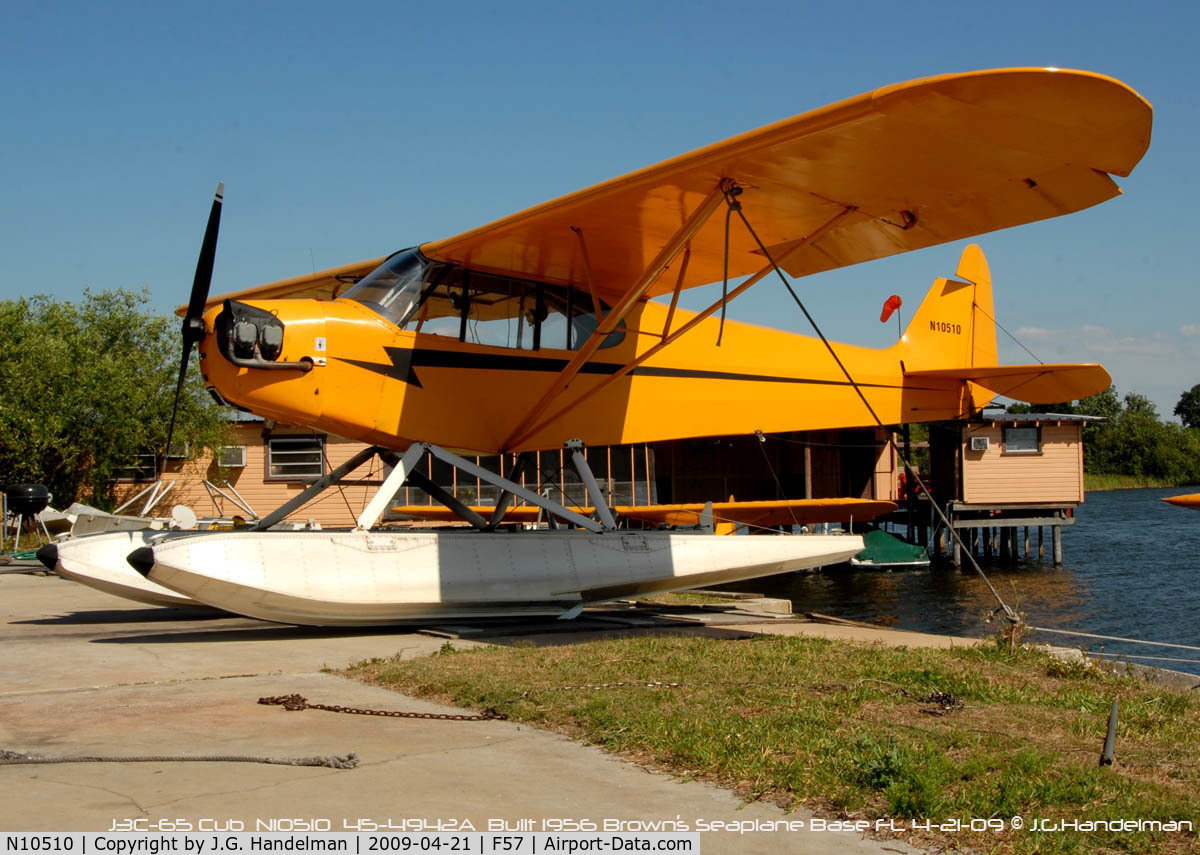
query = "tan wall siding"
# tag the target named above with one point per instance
(1054, 475)
(333, 508)
(885, 473)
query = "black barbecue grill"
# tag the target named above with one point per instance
(27, 500)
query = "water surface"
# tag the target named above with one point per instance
(1130, 569)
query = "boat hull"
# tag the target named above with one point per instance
(369, 578)
(98, 561)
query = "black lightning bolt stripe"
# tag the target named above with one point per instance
(405, 362)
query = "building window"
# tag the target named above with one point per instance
(295, 458)
(143, 469)
(1022, 440)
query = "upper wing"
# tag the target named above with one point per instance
(324, 285)
(921, 163)
(904, 167)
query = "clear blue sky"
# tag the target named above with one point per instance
(347, 130)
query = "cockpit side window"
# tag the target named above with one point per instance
(479, 308)
(502, 312)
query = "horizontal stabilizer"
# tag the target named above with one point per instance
(1034, 384)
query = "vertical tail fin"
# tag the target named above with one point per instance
(954, 327)
(953, 337)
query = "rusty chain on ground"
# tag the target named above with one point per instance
(296, 703)
(945, 702)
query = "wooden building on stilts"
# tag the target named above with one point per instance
(1004, 480)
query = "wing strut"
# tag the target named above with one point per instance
(630, 299)
(521, 434)
(683, 266)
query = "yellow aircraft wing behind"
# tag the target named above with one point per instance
(903, 167)
(764, 514)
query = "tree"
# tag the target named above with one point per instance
(1134, 441)
(1105, 404)
(1188, 408)
(87, 387)
(1140, 404)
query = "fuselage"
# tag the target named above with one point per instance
(467, 364)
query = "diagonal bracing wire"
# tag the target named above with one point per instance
(734, 205)
(1019, 343)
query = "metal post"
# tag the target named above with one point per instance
(808, 484)
(579, 458)
(1110, 741)
(909, 496)
(506, 497)
(391, 485)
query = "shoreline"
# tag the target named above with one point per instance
(1093, 483)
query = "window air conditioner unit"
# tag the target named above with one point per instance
(980, 443)
(232, 456)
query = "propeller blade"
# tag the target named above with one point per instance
(183, 367)
(193, 321)
(193, 329)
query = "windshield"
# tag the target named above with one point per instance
(394, 288)
(481, 308)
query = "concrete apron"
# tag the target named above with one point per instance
(84, 673)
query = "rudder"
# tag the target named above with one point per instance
(954, 327)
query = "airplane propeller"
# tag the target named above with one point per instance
(193, 321)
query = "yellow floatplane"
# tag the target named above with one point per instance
(560, 324)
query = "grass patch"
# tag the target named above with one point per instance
(858, 731)
(689, 598)
(1093, 483)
